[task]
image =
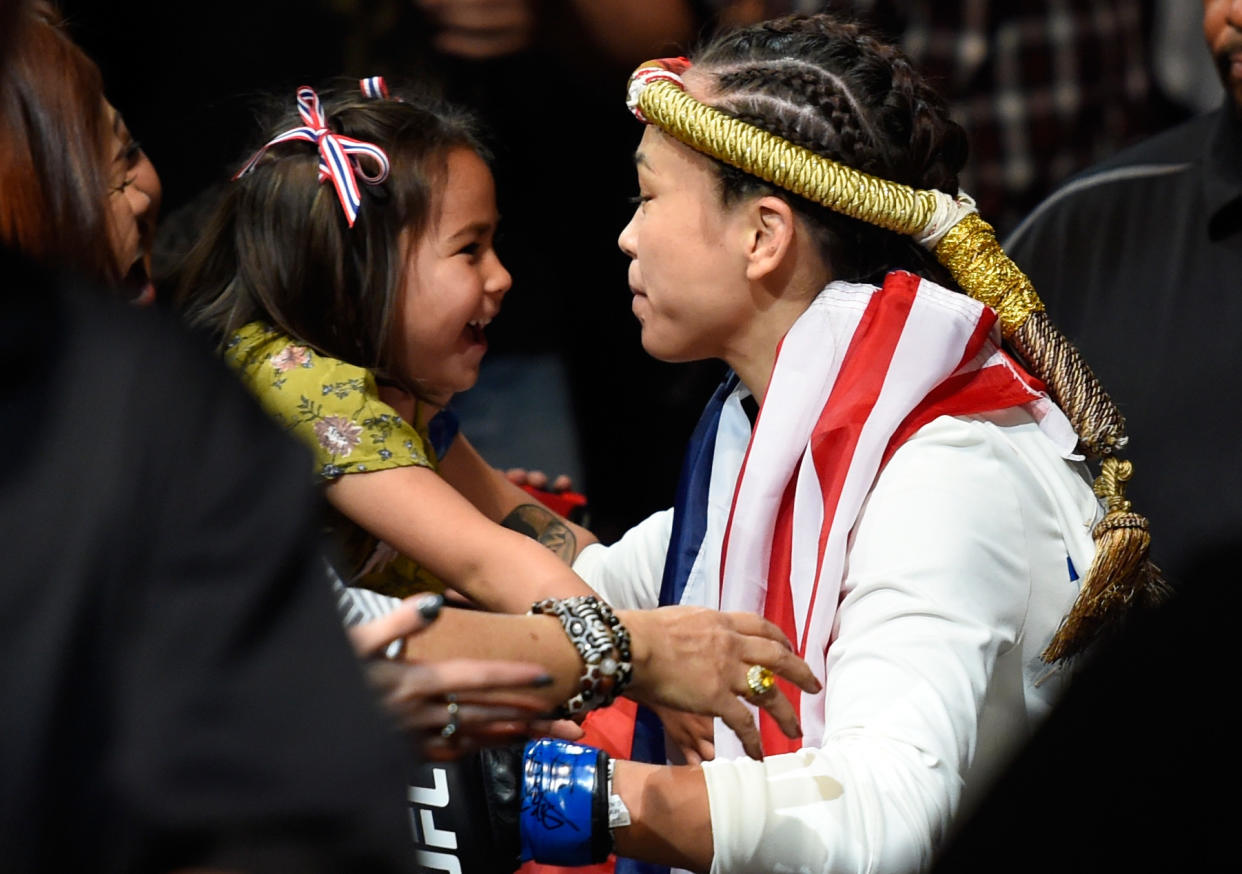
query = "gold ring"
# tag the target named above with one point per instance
(760, 680)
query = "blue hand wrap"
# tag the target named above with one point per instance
(564, 818)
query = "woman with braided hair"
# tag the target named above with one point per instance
(878, 476)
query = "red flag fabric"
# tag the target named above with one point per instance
(855, 377)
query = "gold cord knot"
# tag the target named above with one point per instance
(1110, 485)
(1120, 573)
(987, 274)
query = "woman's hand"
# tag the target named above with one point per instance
(696, 659)
(485, 701)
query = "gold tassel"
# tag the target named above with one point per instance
(1120, 573)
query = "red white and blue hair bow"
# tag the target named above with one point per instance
(374, 87)
(339, 156)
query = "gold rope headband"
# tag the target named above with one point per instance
(949, 226)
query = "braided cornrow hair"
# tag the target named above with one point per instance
(830, 86)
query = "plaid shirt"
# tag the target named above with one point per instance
(1042, 87)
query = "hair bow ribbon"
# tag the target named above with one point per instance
(338, 154)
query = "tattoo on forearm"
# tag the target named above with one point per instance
(539, 523)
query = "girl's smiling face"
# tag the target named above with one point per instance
(453, 286)
(134, 194)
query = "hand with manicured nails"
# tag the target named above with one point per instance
(486, 701)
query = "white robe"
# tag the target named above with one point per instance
(957, 575)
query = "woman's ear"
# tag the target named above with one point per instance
(770, 236)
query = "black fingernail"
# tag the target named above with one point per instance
(542, 681)
(429, 607)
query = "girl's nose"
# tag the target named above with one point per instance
(499, 280)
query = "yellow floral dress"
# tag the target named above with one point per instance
(334, 409)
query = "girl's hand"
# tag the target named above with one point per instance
(696, 659)
(537, 479)
(484, 701)
(555, 495)
(692, 734)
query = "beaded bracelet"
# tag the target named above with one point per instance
(601, 640)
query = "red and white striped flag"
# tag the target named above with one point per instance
(856, 375)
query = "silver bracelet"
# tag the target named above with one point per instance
(618, 813)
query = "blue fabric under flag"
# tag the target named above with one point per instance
(689, 527)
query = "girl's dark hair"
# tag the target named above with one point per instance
(54, 166)
(828, 85)
(278, 248)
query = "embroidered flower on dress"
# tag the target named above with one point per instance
(338, 435)
(331, 471)
(385, 454)
(344, 388)
(290, 357)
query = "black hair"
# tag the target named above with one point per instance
(278, 247)
(827, 84)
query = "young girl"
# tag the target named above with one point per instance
(355, 324)
(350, 274)
(877, 477)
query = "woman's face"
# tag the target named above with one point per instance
(454, 284)
(687, 270)
(1222, 27)
(134, 199)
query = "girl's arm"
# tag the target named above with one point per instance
(491, 492)
(421, 515)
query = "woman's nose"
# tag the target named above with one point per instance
(627, 238)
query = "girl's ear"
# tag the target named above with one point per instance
(770, 236)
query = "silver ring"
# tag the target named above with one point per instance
(450, 728)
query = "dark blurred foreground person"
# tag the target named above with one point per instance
(177, 691)
(1132, 772)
